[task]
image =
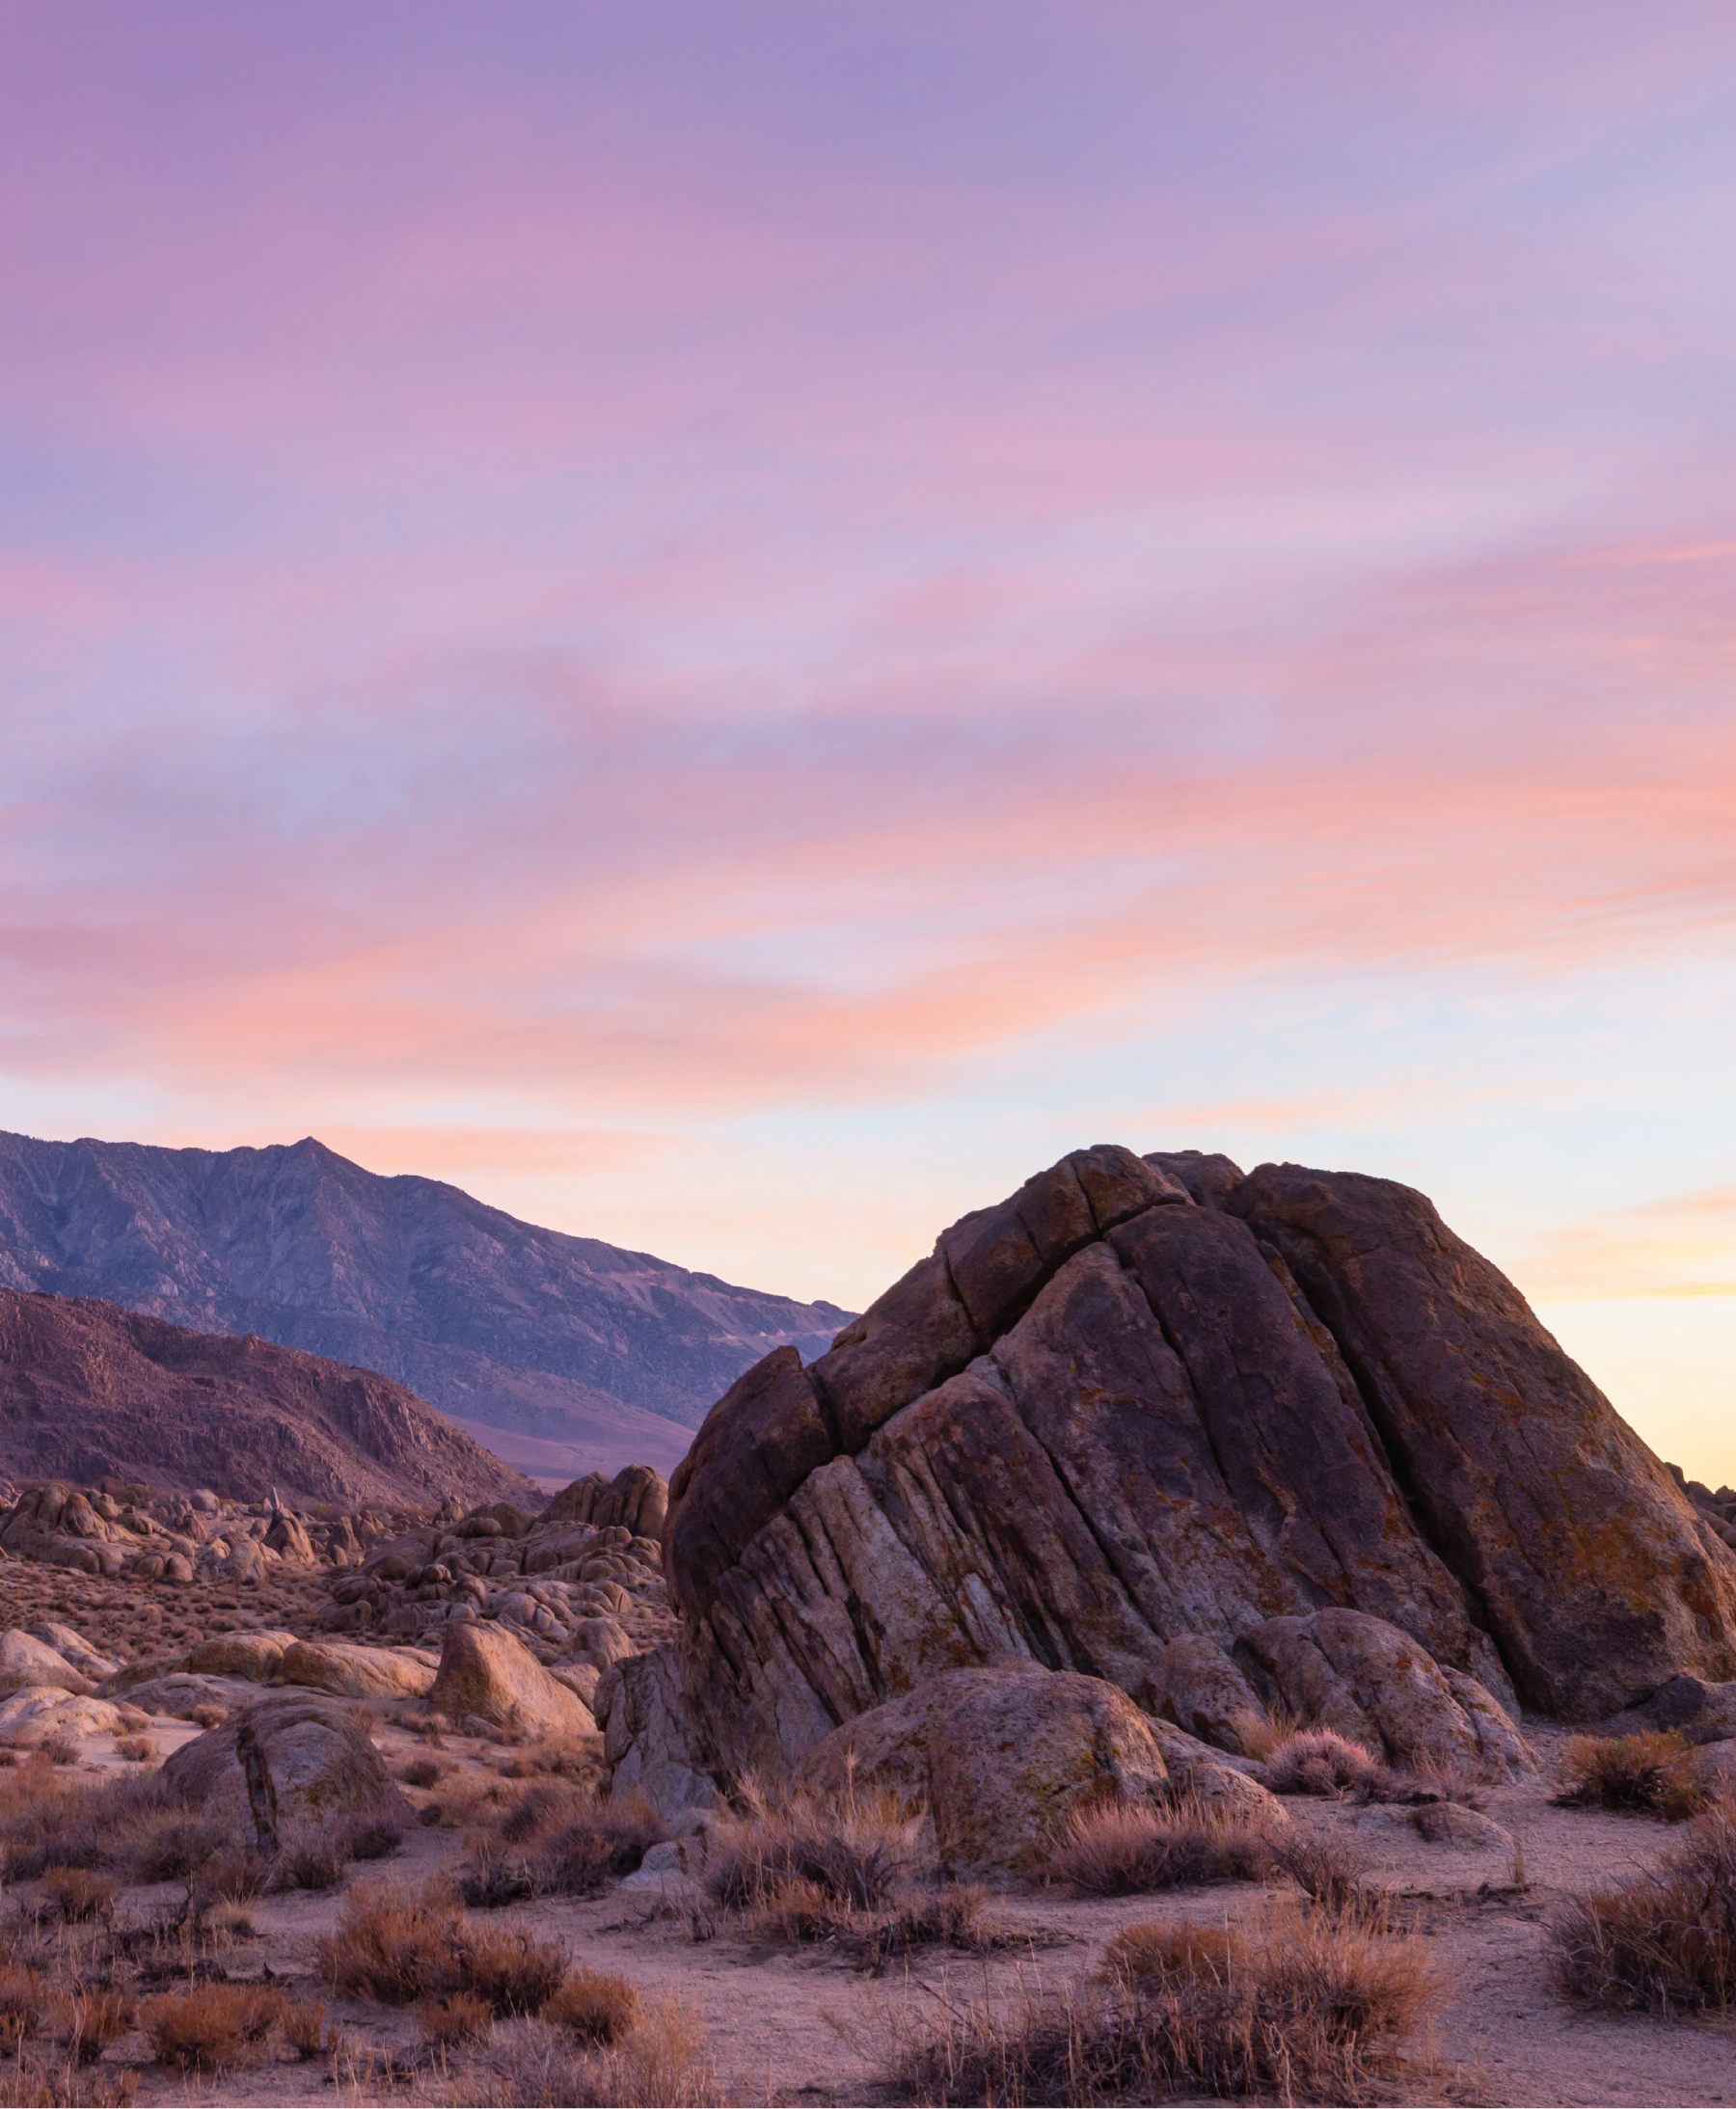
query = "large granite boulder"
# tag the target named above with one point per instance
(1146, 1402)
(1001, 1758)
(485, 1672)
(298, 1762)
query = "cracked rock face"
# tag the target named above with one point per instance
(1150, 1399)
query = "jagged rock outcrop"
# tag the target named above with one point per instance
(90, 1392)
(1152, 1399)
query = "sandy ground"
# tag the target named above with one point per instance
(805, 2026)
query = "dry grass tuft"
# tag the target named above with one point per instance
(1327, 1867)
(305, 2030)
(1262, 1733)
(1321, 1761)
(535, 2064)
(1305, 2007)
(1651, 1775)
(209, 2027)
(861, 1849)
(79, 1895)
(514, 1973)
(1141, 1953)
(88, 2022)
(135, 1749)
(1663, 1941)
(596, 2007)
(1125, 1848)
(422, 1771)
(23, 2002)
(559, 1758)
(460, 2017)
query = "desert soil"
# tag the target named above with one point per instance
(805, 2026)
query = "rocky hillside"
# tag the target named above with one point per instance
(1224, 1442)
(89, 1391)
(588, 1355)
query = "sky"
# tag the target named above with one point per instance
(733, 627)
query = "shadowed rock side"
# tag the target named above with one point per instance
(1149, 1398)
(89, 1391)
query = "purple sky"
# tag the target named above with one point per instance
(735, 625)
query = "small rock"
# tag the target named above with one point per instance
(485, 1672)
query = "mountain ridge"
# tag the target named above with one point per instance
(590, 1350)
(91, 1392)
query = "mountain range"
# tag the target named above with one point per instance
(89, 1393)
(560, 1354)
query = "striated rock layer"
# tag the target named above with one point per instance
(1149, 1398)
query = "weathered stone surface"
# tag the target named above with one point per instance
(184, 1694)
(298, 1761)
(26, 1661)
(1703, 1713)
(350, 1673)
(1003, 1758)
(485, 1672)
(1596, 1576)
(255, 1657)
(1381, 1687)
(1146, 1410)
(73, 1648)
(47, 1713)
(649, 1736)
(758, 1443)
(1205, 1693)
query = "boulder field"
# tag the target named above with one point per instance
(1224, 1443)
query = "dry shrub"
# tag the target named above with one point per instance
(1665, 1940)
(595, 2006)
(535, 2064)
(514, 1973)
(1123, 1848)
(1309, 2008)
(1327, 1866)
(308, 1862)
(78, 1895)
(398, 1947)
(88, 2022)
(23, 2002)
(1262, 1733)
(422, 1771)
(1321, 1761)
(47, 1820)
(561, 1758)
(208, 2027)
(59, 1750)
(391, 1945)
(166, 1845)
(460, 2017)
(1651, 1773)
(64, 2086)
(861, 1849)
(305, 2030)
(373, 1838)
(207, 1717)
(135, 1749)
(558, 1839)
(492, 1875)
(954, 1917)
